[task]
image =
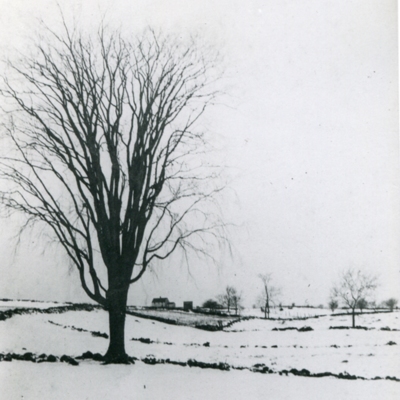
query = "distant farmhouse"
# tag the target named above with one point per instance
(162, 302)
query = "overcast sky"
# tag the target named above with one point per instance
(309, 130)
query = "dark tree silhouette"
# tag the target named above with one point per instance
(391, 303)
(352, 287)
(105, 153)
(362, 304)
(333, 304)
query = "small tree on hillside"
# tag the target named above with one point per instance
(391, 303)
(268, 295)
(352, 287)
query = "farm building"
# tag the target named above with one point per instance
(162, 302)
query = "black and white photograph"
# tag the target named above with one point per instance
(199, 200)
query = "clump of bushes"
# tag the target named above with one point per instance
(290, 328)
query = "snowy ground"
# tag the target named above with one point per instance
(193, 318)
(364, 353)
(286, 312)
(22, 380)
(188, 318)
(295, 312)
(11, 304)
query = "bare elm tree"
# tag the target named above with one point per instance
(352, 287)
(104, 152)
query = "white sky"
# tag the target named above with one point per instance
(310, 130)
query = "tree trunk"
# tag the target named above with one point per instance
(353, 318)
(117, 299)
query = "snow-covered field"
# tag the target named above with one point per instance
(286, 312)
(192, 318)
(189, 318)
(11, 304)
(295, 312)
(364, 353)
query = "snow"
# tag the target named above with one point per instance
(287, 312)
(143, 382)
(358, 352)
(187, 317)
(11, 304)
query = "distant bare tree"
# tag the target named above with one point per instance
(237, 302)
(225, 299)
(333, 304)
(373, 305)
(104, 152)
(269, 294)
(352, 287)
(231, 298)
(391, 303)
